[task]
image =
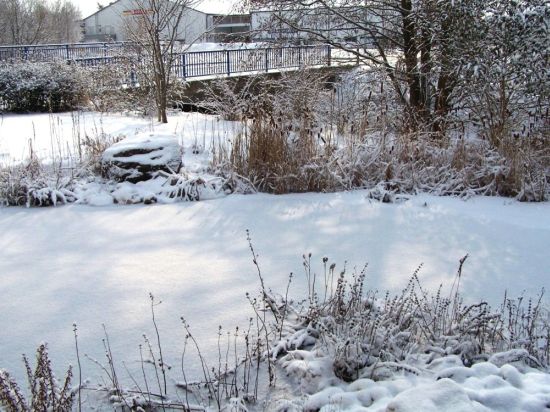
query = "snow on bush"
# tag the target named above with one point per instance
(300, 135)
(348, 348)
(42, 87)
(46, 392)
(167, 188)
(278, 160)
(20, 187)
(32, 184)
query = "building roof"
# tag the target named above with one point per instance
(206, 7)
(98, 10)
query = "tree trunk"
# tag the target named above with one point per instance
(411, 61)
(445, 83)
(163, 118)
(441, 104)
(425, 70)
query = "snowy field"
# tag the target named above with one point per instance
(97, 265)
(56, 136)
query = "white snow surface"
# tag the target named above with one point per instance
(55, 137)
(199, 47)
(97, 265)
(444, 385)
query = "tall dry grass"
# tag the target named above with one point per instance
(308, 134)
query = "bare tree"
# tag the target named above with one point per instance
(156, 27)
(38, 21)
(417, 44)
(65, 22)
(23, 21)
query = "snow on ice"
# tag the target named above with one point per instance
(96, 265)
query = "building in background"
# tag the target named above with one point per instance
(108, 24)
(223, 28)
(310, 25)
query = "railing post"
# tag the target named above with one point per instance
(183, 66)
(26, 52)
(67, 52)
(299, 56)
(228, 57)
(329, 55)
(266, 60)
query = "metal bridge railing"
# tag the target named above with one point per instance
(228, 62)
(52, 52)
(187, 65)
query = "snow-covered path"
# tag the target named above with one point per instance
(97, 265)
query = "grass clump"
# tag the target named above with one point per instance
(366, 335)
(45, 392)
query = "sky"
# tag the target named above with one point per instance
(88, 7)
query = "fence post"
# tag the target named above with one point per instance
(228, 57)
(299, 56)
(266, 60)
(26, 52)
(67, 52)
(329, 55)
(183, 66)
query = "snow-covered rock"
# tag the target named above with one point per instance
(142, 157)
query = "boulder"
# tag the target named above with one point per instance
(141, 157)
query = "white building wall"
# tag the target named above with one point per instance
(110, 22)
(193, 25)
(266, 26)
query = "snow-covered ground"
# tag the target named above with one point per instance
(97, 265)
(56, 136)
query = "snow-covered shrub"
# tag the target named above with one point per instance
(346, 345)
(370, 336)
(276, 160)
(32, 184)
(116, 88)
(506, 87)
(267, 156)
(305, 137)
(166, 188)
(36, 184)
(281, 138)
(233, 99)
(46, 392)
(362, 101)
(42, 87)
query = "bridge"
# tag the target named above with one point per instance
(187, 65)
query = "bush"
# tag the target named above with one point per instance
(365, 334)
(46, 393)
(32, 184)
(307, 134)
(42, 87)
